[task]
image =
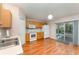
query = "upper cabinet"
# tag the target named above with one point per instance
(36, 23)
(0, 13)
(5, 18)
(39, 25)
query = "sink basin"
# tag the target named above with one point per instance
(4, 42)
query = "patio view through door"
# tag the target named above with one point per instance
(64, 32)
(60, 32)
(69, 32)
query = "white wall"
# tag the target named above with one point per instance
(15, 18)
(22, 29)
(65, 19)
(52, 29)
(78, 32)
(18, 22)
(52, 24)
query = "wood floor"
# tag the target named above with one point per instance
(49, 47)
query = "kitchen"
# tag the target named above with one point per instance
(39, 29)
(36, 30)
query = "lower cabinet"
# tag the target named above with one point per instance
(40, 35)
(27, 36)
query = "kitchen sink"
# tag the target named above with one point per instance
(5, 42)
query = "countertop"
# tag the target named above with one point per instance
(12, 50)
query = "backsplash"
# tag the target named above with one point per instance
(33, 30)
(3, 32)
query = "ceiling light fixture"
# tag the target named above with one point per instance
(50, 17)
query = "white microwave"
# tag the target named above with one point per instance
(32, 26)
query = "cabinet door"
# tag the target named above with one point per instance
(0, 14)
(30, 23)
(39, 25)
(40, 35)
(6, 18)
(27, 24)
(27, 37)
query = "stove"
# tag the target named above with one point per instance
(33, 36)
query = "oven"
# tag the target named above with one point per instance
(33, 36)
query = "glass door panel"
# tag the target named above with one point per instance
(60, 32)
(69, 32)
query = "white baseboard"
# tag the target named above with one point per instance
(53, 38)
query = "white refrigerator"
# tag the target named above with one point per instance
(45, 29)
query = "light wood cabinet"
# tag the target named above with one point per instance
(0, 14)
(30, 23)
(27, 36)
(37, 24)
(40, 35)
(5, 18)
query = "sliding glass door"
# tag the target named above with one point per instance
(60, 32)
(69, 32)
(64, 32)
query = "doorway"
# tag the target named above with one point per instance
(64, 32)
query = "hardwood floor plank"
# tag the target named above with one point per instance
(49, 47)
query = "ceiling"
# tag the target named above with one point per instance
(40, 11)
